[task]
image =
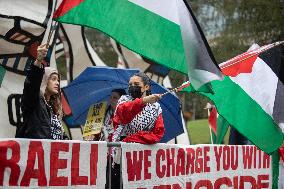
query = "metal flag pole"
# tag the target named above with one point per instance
(179, 88)
(253, 53)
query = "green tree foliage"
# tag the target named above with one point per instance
(231, 26)
(101, 44)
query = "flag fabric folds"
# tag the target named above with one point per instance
(164, 31)
(251, 98)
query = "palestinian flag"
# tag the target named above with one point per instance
(164, 31)
(2, 73)
(251, 97)
(219, 126)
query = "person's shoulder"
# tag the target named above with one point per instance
(124, 98)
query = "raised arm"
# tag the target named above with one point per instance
(33, 81)
(126, 111)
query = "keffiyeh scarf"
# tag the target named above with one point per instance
(143, 121)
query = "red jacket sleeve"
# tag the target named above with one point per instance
(125, 112)
(148, 137)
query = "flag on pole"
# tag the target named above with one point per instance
(164, 31)
(218, 125)
(251, 97)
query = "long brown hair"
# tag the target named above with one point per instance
(55, 103)
(55, 100)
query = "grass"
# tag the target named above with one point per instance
(198, 132)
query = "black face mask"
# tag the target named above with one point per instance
(135, 91)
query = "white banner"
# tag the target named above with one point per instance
(52, 164)
(192, 167)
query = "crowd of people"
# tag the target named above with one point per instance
(136, 117)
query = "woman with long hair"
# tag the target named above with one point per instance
(41, 103)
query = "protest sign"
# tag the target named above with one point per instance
(95, 119)
(52, 164)
(193, 167)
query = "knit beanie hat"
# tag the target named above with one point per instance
(47, 73)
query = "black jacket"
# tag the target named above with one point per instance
(36, 114)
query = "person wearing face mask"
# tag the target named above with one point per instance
(41, 103)
(138, 116)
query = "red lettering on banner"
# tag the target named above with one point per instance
(236, 182)
(254, 157)
(203, 183)
(188, 185)
(180, 168)
(218, 154)
(176, 186)
(247, 179)
(11, 163)
(35, 149)
(247, 156)
(266, 161)
(170, 156)
(57, 163)
(160, 169)
(234, 157)
(259, 158)
(93, 164)
(147, 164)
(190, 160)
(134, 165)
(261, 184)
(76, 179)
(226, 158)
(163, 187)
(206, 159)
(222, 181)
(198, 160)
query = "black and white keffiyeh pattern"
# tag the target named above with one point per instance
(144, 121)
(56, 128)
